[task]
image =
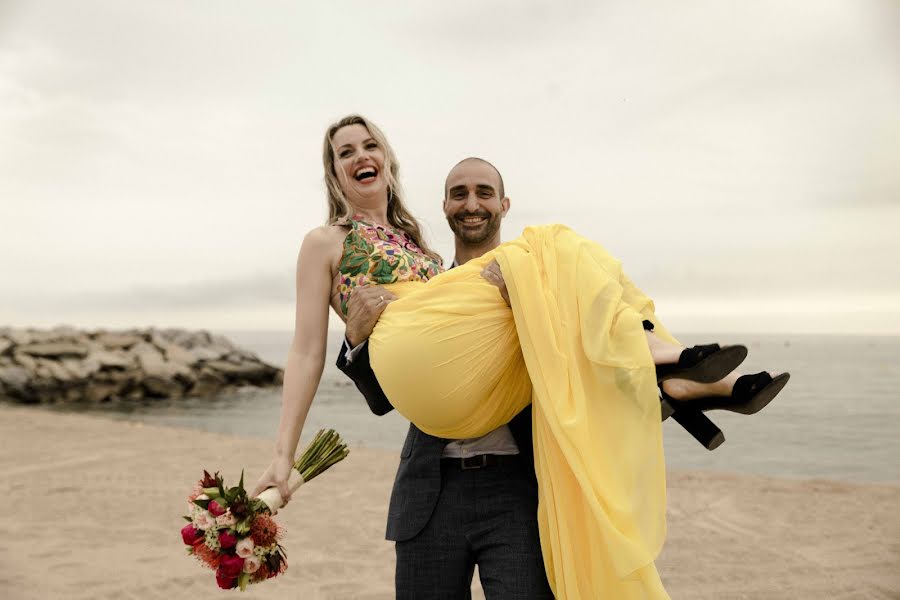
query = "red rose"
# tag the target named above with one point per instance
(227, 540)
(191, 535)
(215, 508)
(225, 582)
(231, 565)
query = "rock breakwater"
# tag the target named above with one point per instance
(65, 364)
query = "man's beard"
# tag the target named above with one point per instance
(475, 237)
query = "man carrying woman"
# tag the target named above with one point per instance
(572, 338)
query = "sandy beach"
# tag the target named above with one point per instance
(93, 511)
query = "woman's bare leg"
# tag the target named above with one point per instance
(663, 352)
(682, 389)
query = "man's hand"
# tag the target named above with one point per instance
(493, 274)
(364, 308)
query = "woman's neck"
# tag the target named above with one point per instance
(376, 213)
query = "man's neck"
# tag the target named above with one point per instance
(465, 253)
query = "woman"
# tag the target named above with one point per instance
(586, 362)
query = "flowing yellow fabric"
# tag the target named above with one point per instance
(457, 362)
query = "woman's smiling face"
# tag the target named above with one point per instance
(358, 163)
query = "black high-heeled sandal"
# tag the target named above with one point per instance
(703, 364)
(751, 393)
(696, 423)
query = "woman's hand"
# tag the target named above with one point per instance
(276, 475)
(493, 274)
(364, 308)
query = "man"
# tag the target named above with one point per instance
(458, 503)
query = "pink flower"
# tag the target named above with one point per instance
(215, 508)
(196, 492)
(226, 519)
(191, 535)
(225, 582)
(227, 540)
(251, 564)
(244, 548)
(231, 566)
(204, 520)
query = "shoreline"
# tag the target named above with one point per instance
(105, 522)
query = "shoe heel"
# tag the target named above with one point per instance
(698, 425)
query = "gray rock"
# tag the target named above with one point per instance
(15, 380)
(107, 359)
(209, 382)
(25, 360)
(81, 369)
(162, 388)
(115, 341)
(256, 372)
(53, 349)
(222, 341)
(19, 337)
(57, 371)
(102, 391)
(5, 345)
(205, 353)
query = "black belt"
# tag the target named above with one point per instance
(480, 461)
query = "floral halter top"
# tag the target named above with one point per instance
(376, 254)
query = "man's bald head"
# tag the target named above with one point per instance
(500, 189)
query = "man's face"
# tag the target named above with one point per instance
(473, 205)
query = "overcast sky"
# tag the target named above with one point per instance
(160, 161)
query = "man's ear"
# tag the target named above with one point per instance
(444, 205)
(504, 204)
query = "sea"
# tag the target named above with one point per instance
(838, 418)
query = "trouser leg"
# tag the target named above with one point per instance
(438, 563)
(505, 538)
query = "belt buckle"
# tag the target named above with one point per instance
(474, 464)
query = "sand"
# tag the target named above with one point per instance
(92, 510)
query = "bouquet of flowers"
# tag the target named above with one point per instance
(235, 535)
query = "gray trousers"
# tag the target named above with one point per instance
(484, 516)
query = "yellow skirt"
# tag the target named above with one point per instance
(457, 362)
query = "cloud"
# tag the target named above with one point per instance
(738, 147)
(251, 291)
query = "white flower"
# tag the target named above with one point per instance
(251, 564)
(226, 519)
(202, 497)
(203, 520)
(244, 547)
(211, 539)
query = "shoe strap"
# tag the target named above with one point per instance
(747, 386)
(691, 356)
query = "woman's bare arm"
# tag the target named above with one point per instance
(306, 358)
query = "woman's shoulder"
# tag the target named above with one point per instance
(325, 241)
(325, 234)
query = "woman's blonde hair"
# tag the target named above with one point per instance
(339, 209)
